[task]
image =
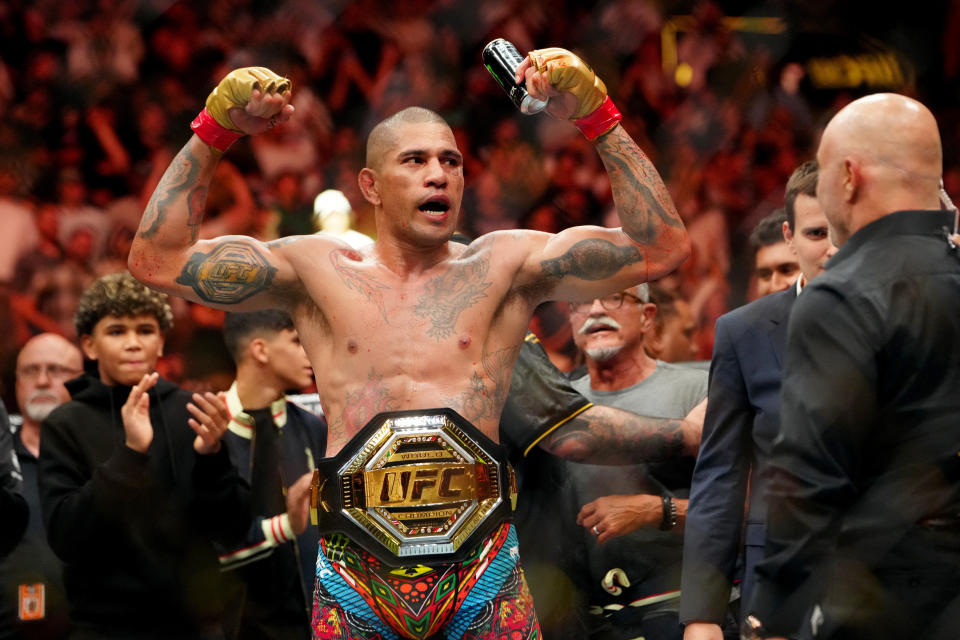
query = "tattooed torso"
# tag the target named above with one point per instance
(379, 342)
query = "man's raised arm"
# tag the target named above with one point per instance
(585, 262)
(232, 272)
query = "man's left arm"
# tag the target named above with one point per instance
(829, 407)
(584, 262)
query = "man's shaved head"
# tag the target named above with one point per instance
(878, 155)
(383, 135)
(891, 130)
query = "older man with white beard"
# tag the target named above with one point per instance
(32, 600)
(632, 516)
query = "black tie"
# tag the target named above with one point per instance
(266, 481)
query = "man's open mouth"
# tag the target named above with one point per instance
(435, 205)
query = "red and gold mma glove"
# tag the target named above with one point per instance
(213, 125)
(595, 114)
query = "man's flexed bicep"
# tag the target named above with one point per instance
(230, 270)
(585, 262)
(649, 217)
(234, 273)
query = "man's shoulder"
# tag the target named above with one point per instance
(679, 376)
(762, 309)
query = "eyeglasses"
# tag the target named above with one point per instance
(53, 371)
(611, 303)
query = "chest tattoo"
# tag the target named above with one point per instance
(355, 280)
(447, 295)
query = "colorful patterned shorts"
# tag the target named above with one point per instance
(484, 597)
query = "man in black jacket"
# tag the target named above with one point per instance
(132, 506)
(274, 444)
(863, 526)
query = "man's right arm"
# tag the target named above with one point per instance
(230, 272)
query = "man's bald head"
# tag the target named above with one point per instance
(384, 135)
(892, 130)
(878, 155)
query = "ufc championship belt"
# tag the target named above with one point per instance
(415, 487)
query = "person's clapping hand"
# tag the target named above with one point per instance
(135, 414)
(210, 420)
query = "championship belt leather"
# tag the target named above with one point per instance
(415, 487)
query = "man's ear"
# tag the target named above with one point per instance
(258, 350)
(367, 179)
(788, 236)
(649, 318)
(852, 179)
(88, 346)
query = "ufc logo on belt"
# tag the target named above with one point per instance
(420, 484)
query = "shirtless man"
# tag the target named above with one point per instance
(413, 321)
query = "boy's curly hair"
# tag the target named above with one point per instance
(121, 295)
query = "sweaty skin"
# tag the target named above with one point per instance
(412, 321)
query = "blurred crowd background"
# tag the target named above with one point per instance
(727, 98)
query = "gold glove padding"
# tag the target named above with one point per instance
(567, 72)
(235, 89)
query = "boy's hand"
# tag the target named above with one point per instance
(209, 422)
(135, 413)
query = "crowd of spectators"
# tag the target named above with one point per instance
(96, 97)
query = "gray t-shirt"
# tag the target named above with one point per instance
(649, 557)
(671, 391)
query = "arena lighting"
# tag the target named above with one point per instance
(680, 24)
(876, 70)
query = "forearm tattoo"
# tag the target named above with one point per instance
(638, 191)
(179, 180)
(354, 279)
(602, 435)
(592, 259)
(229, 274)
(448, 294)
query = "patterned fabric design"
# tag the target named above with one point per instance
(358, 597)
(507, 616)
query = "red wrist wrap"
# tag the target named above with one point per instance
(213, 133)
(603, 118)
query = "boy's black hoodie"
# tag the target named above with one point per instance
(134, 530)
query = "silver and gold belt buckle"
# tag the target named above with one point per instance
(415, 487)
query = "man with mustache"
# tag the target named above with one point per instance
(32, 599)
(633, 515)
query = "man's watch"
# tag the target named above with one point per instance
(669, 519)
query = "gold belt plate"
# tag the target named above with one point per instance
(420, 483)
